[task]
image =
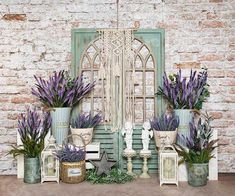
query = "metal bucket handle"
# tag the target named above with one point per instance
(71, 136)
(90, 139)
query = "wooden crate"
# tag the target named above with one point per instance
(20, 160)
(92, 153)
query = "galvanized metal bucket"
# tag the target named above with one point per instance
(185, 117)
(197, 174)
(60, 123)
(32, 170)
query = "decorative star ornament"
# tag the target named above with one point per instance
(103, 165)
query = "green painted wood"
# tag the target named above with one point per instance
(120, 152)
(116, 145)
(155, 40)
(108, 141)
(80, 39)
(113, 142)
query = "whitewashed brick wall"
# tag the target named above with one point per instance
(37, 40)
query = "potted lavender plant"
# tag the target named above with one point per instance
(32, 129)
(198, 151)
(84, 125)
(72, 167)
(165, 129)
(60, 94)
(185, 95)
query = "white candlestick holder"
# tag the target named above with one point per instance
(145, 155)
(129, 155)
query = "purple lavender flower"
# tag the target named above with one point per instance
(60, 90)
(32, 129)
(165, 122)
(183, 94)
(199, 135)
(198, 146)
(71, 153)
(86, 121)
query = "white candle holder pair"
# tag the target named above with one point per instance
(129, 153)
(143, 154)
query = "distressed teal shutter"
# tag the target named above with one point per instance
(80, 40)
(113, 142)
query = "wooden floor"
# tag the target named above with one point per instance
(11, 186)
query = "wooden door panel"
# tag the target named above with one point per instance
(149, 54)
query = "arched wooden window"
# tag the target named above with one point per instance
(145, 84)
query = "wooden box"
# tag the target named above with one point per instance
(92, 153)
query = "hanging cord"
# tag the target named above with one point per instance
(162, 11)
(133, 75)
(117, 13)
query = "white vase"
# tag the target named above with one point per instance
(165, 137)
(85, 133)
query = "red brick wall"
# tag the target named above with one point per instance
(35, 39)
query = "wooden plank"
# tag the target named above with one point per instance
(89, 165)
(115, 143)
(155, 40)
(102, 136)
(120, 157)
(93, 151)
(20, 161)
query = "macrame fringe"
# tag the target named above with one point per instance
(117, 75)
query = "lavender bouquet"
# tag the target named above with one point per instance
(71, 153)
(183, 94)
(32, 129)
(61, 90)
(86, 121)
(165, 122)
(199, 145)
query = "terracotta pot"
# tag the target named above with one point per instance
(165, 137)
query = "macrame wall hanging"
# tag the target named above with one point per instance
(117, 75)
(117, 72)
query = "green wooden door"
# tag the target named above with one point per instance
(149, 67)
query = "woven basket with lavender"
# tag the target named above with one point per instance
(72, 163)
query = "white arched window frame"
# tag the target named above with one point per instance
(145, 84)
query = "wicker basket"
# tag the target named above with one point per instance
(73, 172)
